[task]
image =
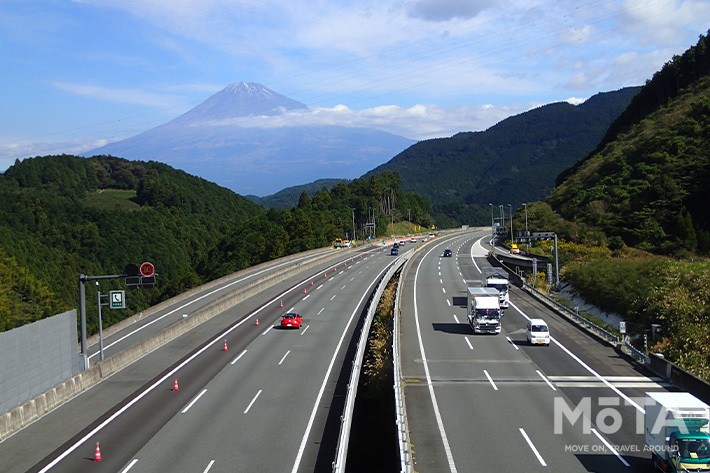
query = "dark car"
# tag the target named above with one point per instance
(394, 252)
(396, 245)
(447, 253)
(291, 320)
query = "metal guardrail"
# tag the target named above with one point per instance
(347, 416)
(405, 455)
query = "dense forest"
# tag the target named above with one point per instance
(62, 216)
(512, 162)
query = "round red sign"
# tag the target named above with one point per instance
(147, 269)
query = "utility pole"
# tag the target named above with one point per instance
(512, 238)
(353, 237)
(527, 240)
(409, 219)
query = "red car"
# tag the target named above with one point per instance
(291, 320)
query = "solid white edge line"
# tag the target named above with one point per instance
(532, 447)
(610, 447)
(430, 386)
(237, 358)
(546, 380)
(490, 380)
(187, 408)
(253, 401)
(130, 465)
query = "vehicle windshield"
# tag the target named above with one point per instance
(539, 328)
(487, 314)
(500, 287)
(694, 449)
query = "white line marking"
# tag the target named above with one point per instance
(456, 319)
(237, 358)
(130, 465)
(284, 357)
(448, 302)
(469, 343)
(610, 447)
(443, 289)
(304, 330)
(490, 379)
(187, 408)
(306, 297)
(209, 466)
(333, 297)
(267, 330)
(319, 286)
(441, 281)
(319, 312)
(512, 343)
(352, 278)
(546, 380)
(253, 401)
(344, 286)
(532, 447)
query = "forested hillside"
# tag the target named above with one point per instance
(634, 215)
(515, 161)
(648, 188)
(62, 216)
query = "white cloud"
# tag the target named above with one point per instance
(108, 94)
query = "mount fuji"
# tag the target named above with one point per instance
(252, 140)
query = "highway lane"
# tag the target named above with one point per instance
(487, 402)
(258, 415)
(147, 324)
(26, 448)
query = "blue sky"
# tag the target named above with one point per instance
(77, 74)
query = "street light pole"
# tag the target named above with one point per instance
(492, 227)
(409, 220)
(527, 240)
(510, 213)
(353, 237)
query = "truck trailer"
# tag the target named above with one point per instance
(484, 310)
(499, 281)
(676, 432)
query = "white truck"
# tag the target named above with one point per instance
(484, 309)
(676, 432)
(499, 281)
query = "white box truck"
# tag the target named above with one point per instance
(499, 281)
(676, 432)
(484, 309)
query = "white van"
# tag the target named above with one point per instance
(538, 332)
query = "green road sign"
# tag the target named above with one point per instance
(117, 299)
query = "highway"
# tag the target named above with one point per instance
(270, 402)
(493, 403)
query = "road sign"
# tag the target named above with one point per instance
(117, 299)
(622, 327)
(147, 269)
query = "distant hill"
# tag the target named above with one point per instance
(288, 197)
(514, 161)
(648, 186)
(225, 141)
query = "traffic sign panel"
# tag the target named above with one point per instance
(117, 299)
(147, 269)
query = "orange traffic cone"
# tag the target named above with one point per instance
(175, 386)
(256, 324)
(224, 348)
(97, 453)
(311, 283)
(325, 275)
(304, 290)
(282, 304)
